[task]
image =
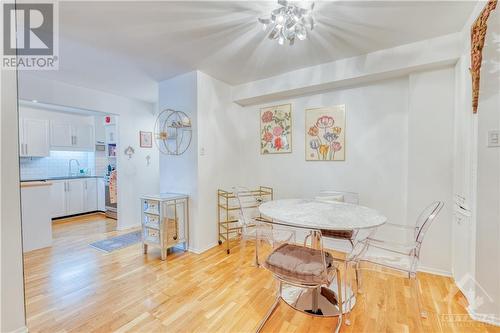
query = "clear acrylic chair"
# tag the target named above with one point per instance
(344, 240)
(402, 256)
(251, 222)
(308, 269)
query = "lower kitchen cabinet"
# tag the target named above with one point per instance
(101, 194)
(58, 198)
(73, 196)
(90, 190)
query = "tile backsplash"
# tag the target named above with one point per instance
(56, 165)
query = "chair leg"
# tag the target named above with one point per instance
(346, 294)
(340, 299)
(358, 278)
(257, 264)
(416, 290)
(271, 310)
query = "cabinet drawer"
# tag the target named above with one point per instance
(151, 221)
(151, 235)
(151, 207)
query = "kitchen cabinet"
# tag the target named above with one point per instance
(73, 196)
(68, 136)
(58, 198)
(90, 190)
(101, 192)
(33, 137)
(84, 137)
(61, 134)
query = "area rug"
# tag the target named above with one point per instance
(118, 242)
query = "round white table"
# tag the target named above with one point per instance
(320, 215)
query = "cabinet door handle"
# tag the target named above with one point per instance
(26, 148)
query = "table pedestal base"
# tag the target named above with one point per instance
(302, 299)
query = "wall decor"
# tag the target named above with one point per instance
(276, 129)
(146, 139)
(325, 133)
(173, 132)
(129, 151)
(477, 36)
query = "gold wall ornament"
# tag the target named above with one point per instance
(478, 35)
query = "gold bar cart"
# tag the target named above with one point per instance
(227, 213)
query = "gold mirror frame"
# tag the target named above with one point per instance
(478, 35)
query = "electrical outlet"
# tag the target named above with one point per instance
(494, 138)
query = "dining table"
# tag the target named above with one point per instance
(316, 216)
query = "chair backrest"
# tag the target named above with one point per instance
(248, 204)
(425, 220)
(338, 196)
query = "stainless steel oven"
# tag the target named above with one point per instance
(111, 211)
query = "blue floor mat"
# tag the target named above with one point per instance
(118, 242)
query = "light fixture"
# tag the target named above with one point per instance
(288, 22)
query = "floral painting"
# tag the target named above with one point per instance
(325, 134)
(276, 129)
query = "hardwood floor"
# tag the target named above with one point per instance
(72, 287)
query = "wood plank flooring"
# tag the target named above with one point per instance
(72, 287)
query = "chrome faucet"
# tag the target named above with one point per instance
(69, 167)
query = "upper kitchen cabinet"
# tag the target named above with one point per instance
(61, 134)
(84, 136)
(68, 136)
(33, 137)
(43, 129)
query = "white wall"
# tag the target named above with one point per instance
(179, 174)
(399, 150)
(488, 178)
(12, 316)
(135, 177)
(218, 151)
(376, 148)
(210, 162)
(430, 160)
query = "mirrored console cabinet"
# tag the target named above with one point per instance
(165, 221)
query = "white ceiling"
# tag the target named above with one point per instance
(126, 47)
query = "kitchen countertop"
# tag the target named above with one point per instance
(35, 183)
(58, 178)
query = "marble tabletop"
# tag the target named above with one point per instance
(314, 214)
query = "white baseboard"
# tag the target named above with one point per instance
(22, 329)
(488, 319)
(434, 271)
(200, 251)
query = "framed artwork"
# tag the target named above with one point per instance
(276, 129)
(146, 139)
(325, 134)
